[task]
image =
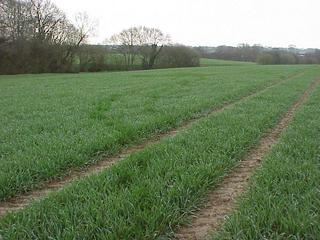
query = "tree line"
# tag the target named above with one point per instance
(36, 37)
(262, 55)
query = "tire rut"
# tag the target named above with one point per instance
(222, 200)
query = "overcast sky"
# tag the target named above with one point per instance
(276, 23)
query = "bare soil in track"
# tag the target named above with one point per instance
(24, 199)
(221, 201)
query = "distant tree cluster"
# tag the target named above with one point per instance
(147, 48)
(178, 56)
(140, 42)
(36, 36)
(277, 56)
(243, 52)
(261, 54)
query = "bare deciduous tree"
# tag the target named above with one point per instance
(38, 32)
(85, 27)
(15, 20)
(127, 41)
(48, 19)
(151, 42)
(78, 33)
(144, 42)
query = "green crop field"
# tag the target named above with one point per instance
(207, 62)
(57, 121)
(52, 123)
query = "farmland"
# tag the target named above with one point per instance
(58, 122)
(206, 62)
